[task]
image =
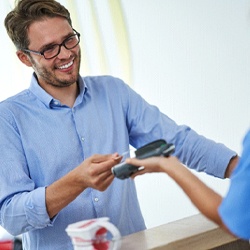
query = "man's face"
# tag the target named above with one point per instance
(62, 70)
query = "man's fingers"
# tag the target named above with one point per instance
(97, 158)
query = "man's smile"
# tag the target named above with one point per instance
(66, 66)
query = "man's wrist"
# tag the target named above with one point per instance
(231, 166)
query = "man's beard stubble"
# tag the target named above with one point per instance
(50, 78)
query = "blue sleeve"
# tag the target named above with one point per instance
(27, 209)
(234, 207)
(147, 123)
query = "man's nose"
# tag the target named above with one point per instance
(64, 53)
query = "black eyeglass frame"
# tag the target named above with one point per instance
(41, 53)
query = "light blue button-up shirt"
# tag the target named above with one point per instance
(42, 140)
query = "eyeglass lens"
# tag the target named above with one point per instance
(68, 43)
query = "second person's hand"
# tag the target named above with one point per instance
(153, 164)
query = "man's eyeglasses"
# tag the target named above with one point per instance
(54, 50)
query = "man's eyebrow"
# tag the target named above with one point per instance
(45, 46)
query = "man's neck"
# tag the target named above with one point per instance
(66, 95)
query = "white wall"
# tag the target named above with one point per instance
(191, 59)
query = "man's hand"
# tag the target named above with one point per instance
(94, 172)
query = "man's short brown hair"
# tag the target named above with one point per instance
(25, 13)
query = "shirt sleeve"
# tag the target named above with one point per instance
(147, 123)
(22, 206)
(234, 209)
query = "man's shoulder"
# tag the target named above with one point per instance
(15, 99)
(105, 83)
(102, 79)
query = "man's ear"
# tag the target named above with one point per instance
(24, 58)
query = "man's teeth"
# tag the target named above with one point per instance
(66, 65)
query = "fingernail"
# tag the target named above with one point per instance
(116, 156)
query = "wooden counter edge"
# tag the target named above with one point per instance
(194, 232)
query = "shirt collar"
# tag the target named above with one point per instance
(47, 99)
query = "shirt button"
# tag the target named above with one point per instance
(82, 139)
(96, 199)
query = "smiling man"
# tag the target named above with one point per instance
(58, 137)
(54, 39)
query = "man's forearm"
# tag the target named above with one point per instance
(60, 193)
